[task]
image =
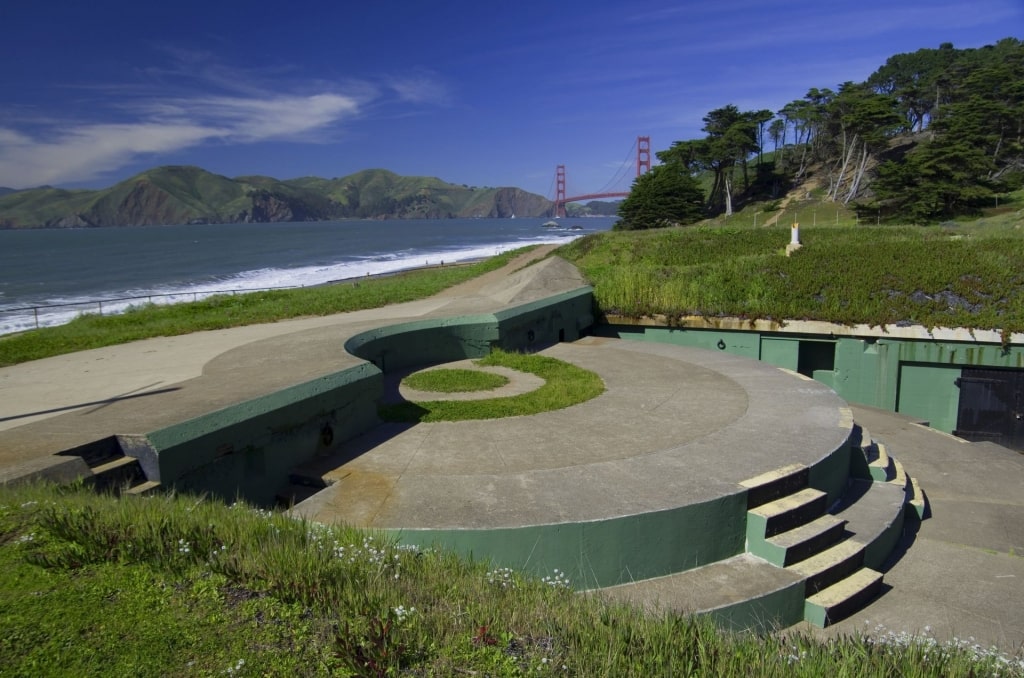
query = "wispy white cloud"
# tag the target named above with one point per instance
(189, 102)
(86, 150)
(421, 87)
(292, 117)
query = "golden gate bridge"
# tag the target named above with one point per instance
(643, 164)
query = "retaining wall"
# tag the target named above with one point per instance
(247, 450)
(913, 376)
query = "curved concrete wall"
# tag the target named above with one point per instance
(913, 374)
(607, 552)
(561, 317)
(247, 450)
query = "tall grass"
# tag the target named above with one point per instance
(177, 585)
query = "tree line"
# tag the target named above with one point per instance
(930, 135)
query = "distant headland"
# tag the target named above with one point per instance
(178, 194)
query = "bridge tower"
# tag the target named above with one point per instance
(643, 155)
(643, 165)
(560, 191)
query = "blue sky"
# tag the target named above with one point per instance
(478, 93)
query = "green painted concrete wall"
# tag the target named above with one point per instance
(929, 392)
(425, 342)
(561, 317)
(248, 450)
(910, 376)
(831, 473)
(606, 552)
(747, 344)
(781, 352)
(765, 614)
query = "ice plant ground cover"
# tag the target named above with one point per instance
(955, 275)
(180, 585)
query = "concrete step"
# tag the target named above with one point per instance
(785, 513)
(880, 464)
(870, 458)
(918, 501)
(874, 514)
(294, 493)
(742, 592)
(117, 473)
(113, 465)
(859, 436)
(830, 566)
(801, 542)
(97, 452)
(775, 484)
(309, 476)
(147, 487)
(899, 478)
(843, 598)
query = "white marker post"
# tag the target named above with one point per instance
(794, 239)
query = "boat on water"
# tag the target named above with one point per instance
(550, 224)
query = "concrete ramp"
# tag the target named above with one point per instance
(538, 281)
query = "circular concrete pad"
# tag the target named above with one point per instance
(675, 426)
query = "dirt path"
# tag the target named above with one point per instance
(802, 189)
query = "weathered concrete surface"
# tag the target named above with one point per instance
(675, 426)
(66, 401)
(961, 575)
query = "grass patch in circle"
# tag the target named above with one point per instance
(454, 381)
(565, 385)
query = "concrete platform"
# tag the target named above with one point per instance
(676, 428)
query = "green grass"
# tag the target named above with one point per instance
(222, 311)
(935, 276)
(454, 381)
(564, 385)
(183, 586)
(176, 585)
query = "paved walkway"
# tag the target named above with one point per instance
(962, 575)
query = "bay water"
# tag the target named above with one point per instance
(49, 276)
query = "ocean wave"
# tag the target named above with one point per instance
(21, 315)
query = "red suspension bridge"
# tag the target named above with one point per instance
(643, 164)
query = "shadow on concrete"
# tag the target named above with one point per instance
(911, 526)
(100, 403)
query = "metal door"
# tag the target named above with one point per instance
(991, 406)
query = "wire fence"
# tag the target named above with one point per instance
(98, 304)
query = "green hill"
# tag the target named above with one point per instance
(185, 194)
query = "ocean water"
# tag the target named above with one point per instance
(49, 276)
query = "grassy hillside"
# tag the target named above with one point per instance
(178, 585)
(183, 194)
(41, 205)
(166, 195)
(966, 275)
